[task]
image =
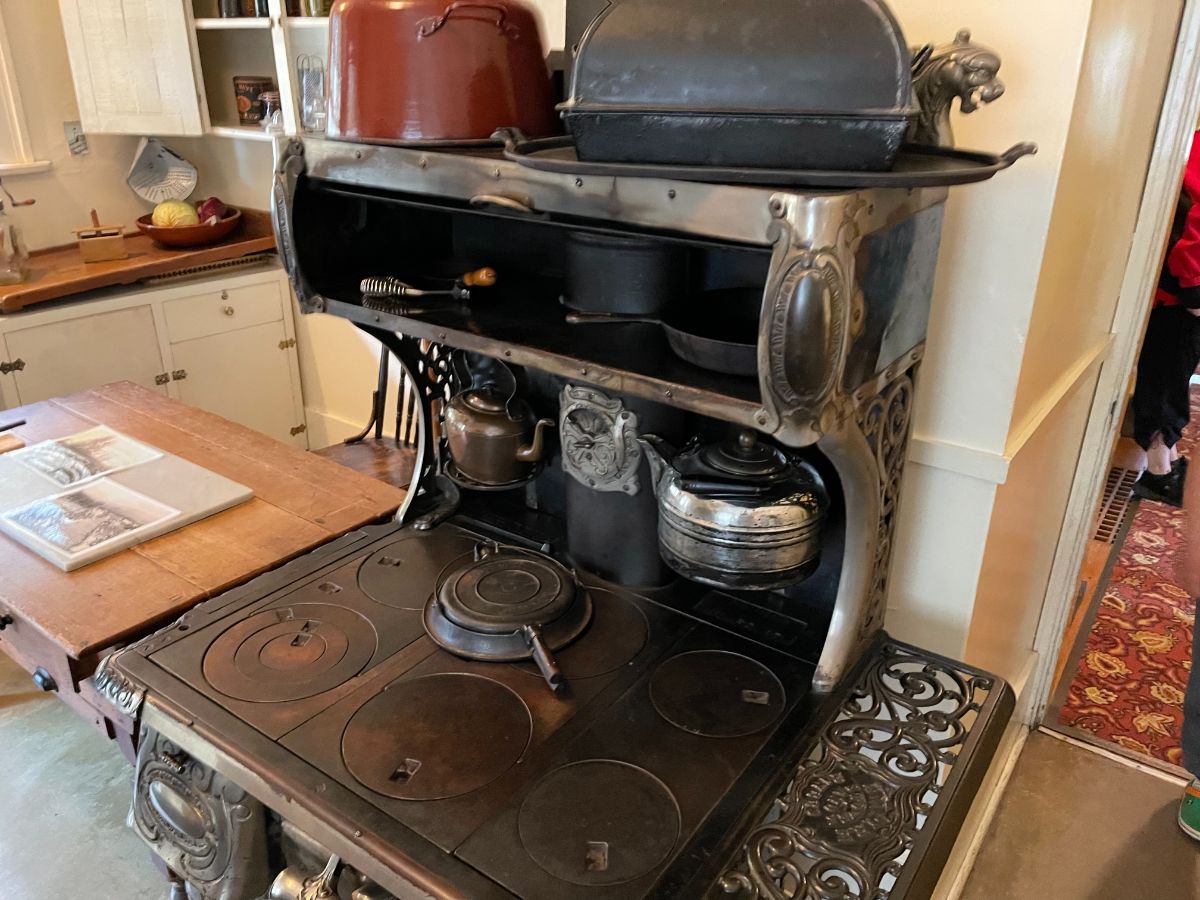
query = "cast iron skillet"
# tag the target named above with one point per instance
(718, 330)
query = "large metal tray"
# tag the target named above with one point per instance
(916, 166)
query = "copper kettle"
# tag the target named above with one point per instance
(493, 439)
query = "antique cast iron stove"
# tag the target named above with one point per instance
(484, 698)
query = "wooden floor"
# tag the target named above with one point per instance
(383, 459)
(1125, 455)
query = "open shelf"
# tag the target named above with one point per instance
(632, 358)
(306, 22)
(227, 55)
(241, 132)
(246, 23)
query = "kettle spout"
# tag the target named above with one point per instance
(657, 453)
(532, 452)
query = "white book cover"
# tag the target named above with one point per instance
(87, 522)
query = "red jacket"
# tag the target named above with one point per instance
(1179, 283)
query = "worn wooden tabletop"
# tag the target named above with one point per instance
(300, 501)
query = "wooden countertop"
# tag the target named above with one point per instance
(60, 272)
(301, 501)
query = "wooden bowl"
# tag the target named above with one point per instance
(191, 235)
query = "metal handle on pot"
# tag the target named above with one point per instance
(578, 318)
(711, 487)
(542, 656)
(431, 25)
(512, 204)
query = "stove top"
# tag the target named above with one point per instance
(590, 790)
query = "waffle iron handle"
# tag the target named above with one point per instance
(543, 657)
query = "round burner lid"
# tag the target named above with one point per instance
(744, 457)
(599, 821)
(714, 693)
(505, 589)
(436, 737)
(290, 652)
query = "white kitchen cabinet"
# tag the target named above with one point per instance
(122, 345)
(225, 344)
(167, 66)
(134, 66)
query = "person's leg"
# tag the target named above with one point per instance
(1158, 456)
(1162, 399)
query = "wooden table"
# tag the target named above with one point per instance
(66, 622)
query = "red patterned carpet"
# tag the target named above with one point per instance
(1128, 687)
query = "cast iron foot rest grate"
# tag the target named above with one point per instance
(872, 798)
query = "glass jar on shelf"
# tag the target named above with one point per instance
(272, 112)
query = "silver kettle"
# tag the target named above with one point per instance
(739, 514)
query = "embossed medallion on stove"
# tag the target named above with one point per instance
(290, 652)
(504, 604)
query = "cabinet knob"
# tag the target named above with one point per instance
(228, 310)
(224, 295)
(44, 679)
(5, 621)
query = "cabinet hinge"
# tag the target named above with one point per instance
(179, 375)
(17, 365)
(162, 378)
(290, 342)
(299, 429)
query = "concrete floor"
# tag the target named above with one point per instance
(64, 793)
(1074, 825)
(1071, 826)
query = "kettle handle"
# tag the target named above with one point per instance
(431, 25)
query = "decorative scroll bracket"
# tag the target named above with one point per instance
(288, 172)
(868, 452)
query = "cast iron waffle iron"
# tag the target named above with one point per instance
(323, 673)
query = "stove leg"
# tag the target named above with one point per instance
(177, 891)
(868, 452)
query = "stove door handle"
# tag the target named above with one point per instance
(543, 657)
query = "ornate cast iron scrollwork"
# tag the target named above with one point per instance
(961, 69)
(203, 826)
(885, 421)
(841, 826)
(599, 441)
(813, 309)
(431, 373)
(117, 688)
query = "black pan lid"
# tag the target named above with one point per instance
(840, 57)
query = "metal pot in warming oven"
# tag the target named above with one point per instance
(740, 514)
(430, 71)
(493, 440)
(619, 274)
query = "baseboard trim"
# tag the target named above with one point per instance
(326, 429)
(979, 820)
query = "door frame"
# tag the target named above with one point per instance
(1178, 119)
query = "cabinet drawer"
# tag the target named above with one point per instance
(217, 311)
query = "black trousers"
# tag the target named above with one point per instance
(1170, 355)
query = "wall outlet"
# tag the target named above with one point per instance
(76, 139)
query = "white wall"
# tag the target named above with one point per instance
(1030, 272)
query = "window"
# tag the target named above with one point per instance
(16, 153)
